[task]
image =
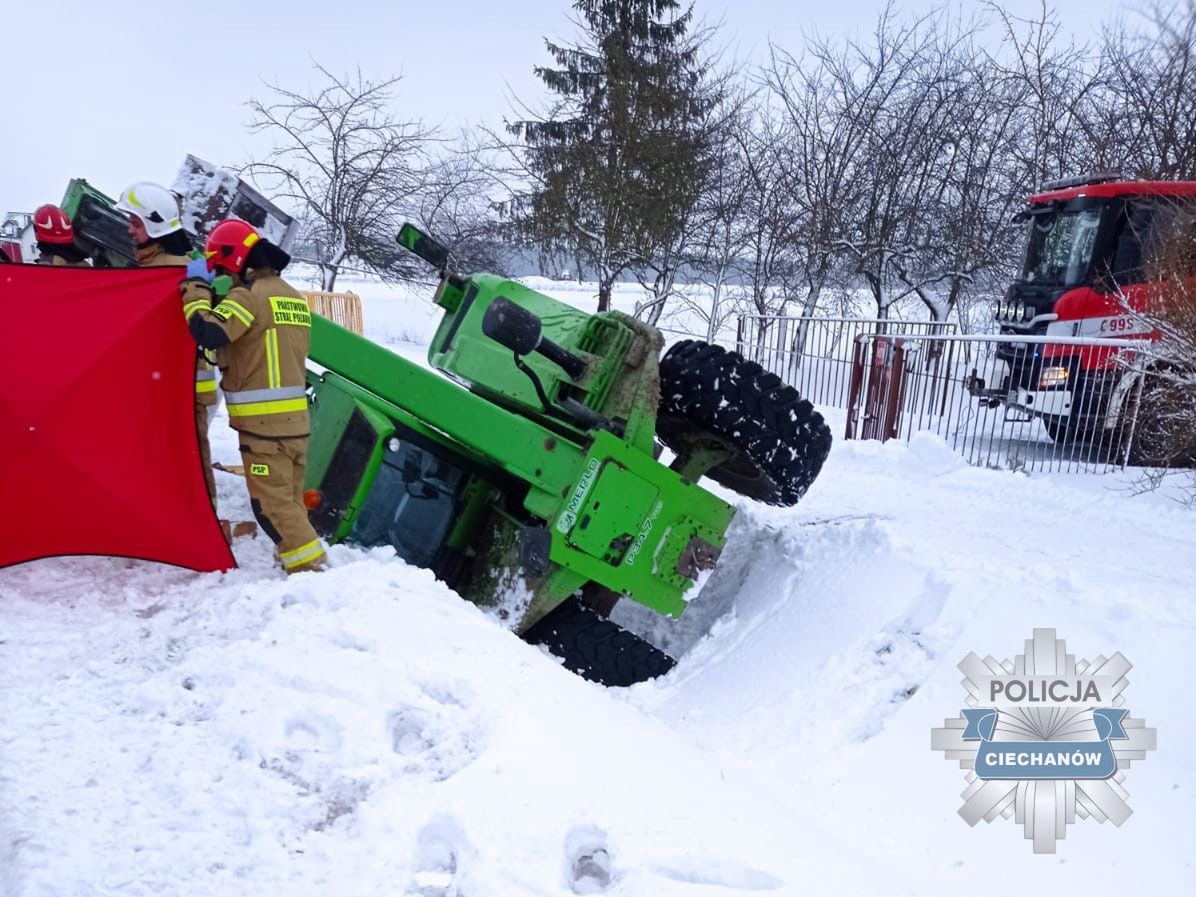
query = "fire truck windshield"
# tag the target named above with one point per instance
(1059, 250)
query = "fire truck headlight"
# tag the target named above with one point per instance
(1052, 377)
(995, 308)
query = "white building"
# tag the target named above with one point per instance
(17, 238)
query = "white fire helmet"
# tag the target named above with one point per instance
(156, 206)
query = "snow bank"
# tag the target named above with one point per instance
(361, 731)
(844, 619)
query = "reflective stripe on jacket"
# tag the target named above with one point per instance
(256, 402)
(264, 366)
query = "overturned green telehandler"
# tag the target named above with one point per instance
(527, 478)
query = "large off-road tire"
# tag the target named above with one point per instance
(595, 648)
(710, 396)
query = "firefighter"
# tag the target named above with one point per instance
(156, 229)
(260, 331)
(56, 239)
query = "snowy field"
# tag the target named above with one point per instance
(363, 731)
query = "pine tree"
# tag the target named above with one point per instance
(613, 161)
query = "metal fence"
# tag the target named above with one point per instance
(1017, 402)
(815, 354)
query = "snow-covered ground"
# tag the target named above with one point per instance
(364, 731)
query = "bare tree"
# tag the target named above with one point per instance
(719, 234)
(819, 150)
(745, 218)
(351, 169)
(1146, 122)
(818, 137)
(908, 154)
(978, 188)
(658, 274)
(899, 93)
(459, 206)
(1054, 88)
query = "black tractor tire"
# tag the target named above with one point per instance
(711, 396)
(595, 648)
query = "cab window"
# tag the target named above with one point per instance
(411, 505)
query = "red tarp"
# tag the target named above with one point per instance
(98, 449)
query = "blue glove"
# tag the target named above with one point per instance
(197, 269)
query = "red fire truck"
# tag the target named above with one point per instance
(1086, 272)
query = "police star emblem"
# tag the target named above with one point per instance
(1045, 739)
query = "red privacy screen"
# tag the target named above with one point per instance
(98, 449)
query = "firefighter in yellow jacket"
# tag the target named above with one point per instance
(156, 229)
(260, 332)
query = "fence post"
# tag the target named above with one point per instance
(782, 343)
(895, 392)
(854, 388)
(795, 352)
(946, 372)
(878, 382)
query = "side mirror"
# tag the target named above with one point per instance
(512, 326)
(415, 240)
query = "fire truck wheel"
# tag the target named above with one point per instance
(595, 648)
(712, 398)
(1157, 435)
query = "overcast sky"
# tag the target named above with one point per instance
(117, 91)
